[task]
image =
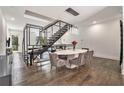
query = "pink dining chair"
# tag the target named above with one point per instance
(78, 61)
(55, 61)
(89, 56)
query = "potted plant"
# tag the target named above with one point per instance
(43, 41)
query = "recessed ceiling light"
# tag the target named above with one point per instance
(12, 19)
(94, 22)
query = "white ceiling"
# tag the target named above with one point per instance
(106, 14)
(56, 12)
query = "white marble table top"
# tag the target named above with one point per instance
(70, 52)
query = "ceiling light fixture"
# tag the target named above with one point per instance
(94, 22)
(12, 19)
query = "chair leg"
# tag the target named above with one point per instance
(78, 67)
(51, 67)
(89, 62)
(56, 68)
(70, 65)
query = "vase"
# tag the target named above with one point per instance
(73, 47)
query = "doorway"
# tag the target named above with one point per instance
(15, 43)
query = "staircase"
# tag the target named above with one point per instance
(56, 36)
(52, 35)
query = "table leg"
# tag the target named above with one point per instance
(31, 58)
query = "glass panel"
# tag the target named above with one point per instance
(55, 29)
(49, 32)
(34, 35)
(43, 38)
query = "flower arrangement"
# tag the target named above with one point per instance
(74, 44)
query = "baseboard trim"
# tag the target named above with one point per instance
(107, 58)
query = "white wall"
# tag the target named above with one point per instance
(103, 38)
(3, 29)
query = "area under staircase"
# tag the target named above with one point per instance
(50, 34)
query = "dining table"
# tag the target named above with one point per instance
(70, 53)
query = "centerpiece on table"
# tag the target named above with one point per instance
(74, 44)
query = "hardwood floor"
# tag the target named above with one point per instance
(100, 72)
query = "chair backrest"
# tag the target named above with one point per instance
(89, 55)
(53, 58)
(81, 58)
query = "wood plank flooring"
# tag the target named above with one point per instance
(101, 72)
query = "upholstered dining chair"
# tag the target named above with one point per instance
(55, 61)
(89, 56)
(78, 61)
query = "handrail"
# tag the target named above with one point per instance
(49, 25)
(68, 23)
(53, 23)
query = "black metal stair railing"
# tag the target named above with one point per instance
(58, 35)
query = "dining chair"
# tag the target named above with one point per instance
(78, 61)
(55, 61)
(89, 56)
